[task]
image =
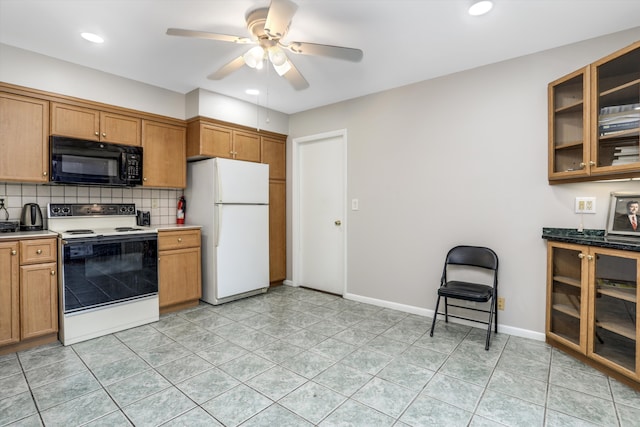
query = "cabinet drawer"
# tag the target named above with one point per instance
(37, 251)
(178, 239)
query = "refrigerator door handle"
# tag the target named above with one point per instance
(217, 219)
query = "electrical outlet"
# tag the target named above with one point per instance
(501, 303)
(586, 205)
(154, 203)
(354, 204)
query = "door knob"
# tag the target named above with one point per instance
(338, 222)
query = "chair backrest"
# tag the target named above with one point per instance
(476, 256)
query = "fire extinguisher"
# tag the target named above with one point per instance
(182, 208)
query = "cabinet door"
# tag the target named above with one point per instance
(24, 139)
(164, 157)
(120, 129)
(277, 231)
(38, 300)
(613, 324)
(179, 274)
(274, 154)
(75, 122)
(214, 141)
(567, 294)
(246, 146)
(9, 291)
(615, 97)
(569, 126)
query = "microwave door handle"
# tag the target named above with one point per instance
(123, 166)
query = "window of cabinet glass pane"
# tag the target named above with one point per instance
(566, 295)
(615, 310)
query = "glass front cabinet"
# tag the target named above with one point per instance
(592, 296)
(594, 120)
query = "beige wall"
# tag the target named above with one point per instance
(458, 160)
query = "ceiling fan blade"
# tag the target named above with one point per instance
(208, 35)
(294, 77)
(227, 69)
(279, 18)
(339, 52)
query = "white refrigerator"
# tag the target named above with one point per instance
(230, 200)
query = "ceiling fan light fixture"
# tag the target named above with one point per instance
(253, 57)
(481, 7)
(277, 56)
(282, 69)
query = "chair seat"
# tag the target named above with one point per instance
(467, 291)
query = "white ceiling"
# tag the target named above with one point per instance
(404, 41)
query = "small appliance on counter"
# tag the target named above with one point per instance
(143, 218)
(31, 218)
(7, 226)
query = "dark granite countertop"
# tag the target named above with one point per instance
(591, 238)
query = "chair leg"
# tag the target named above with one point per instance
(446, 310)
(435, 315)
(492, 312)
(495, 310)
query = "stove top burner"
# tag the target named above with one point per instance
(119, 229)
(80, 231)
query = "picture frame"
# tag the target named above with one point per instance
(620, 206)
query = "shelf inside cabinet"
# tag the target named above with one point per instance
(567, 309)
(626, 330)
(626, 93)
(621, 134)
(567, 280)
(571, 108)
(569, 145)
(619, 293)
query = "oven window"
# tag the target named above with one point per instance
(99, 272)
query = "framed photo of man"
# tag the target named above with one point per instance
(624, 214)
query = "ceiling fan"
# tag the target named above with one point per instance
(268, 26)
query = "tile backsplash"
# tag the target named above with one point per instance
(160, 202)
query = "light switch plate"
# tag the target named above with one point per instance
(586, 205)
(355, 205)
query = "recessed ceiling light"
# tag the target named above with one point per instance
(480, 7)
(93, 38)
(252, 92)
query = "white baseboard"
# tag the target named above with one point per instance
(511, 330)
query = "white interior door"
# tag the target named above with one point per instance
(320, 201)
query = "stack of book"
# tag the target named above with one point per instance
(626, 155)
(618, 118)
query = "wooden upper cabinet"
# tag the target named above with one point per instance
(164, 155)
(246, 146)
(274, 154)
(24, 138)
(94, 125)
(207, 140)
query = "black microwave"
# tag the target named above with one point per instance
(78, 161)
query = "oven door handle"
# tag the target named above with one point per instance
(118, 238)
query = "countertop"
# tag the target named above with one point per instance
(591, 238)
(21, 235)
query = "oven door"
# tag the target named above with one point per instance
(100, 271)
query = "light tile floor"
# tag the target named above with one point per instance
(296, 357)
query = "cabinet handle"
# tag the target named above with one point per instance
(104, 135)
(582, 165)
(39, 251)
(179, 239)
(97, 133)
(14, 252)
(53, 273)
(144, 179)
(592, 163)
(589, 257)
(44, 174)
(581, 255)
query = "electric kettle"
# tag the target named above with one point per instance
(31, 218)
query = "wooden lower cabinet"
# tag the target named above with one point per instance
(28, 294)
(277, 231)
(179, 269)
(592, 296)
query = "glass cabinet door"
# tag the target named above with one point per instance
(616, 99)
(613, 325)
(567, 295)
(568, 125)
